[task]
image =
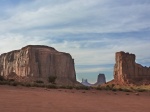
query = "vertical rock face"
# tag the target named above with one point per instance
(101, 79)
(35, 61)
(127, 71)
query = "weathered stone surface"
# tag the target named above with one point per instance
(101, 79)
(38, 62)
(127, 71)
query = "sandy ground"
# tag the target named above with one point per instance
(23, 99)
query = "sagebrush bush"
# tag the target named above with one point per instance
(14, 84)
(27, 85)
(114, 89)
(4, 83)
(2, 78)
(126, 90)
(51, 86)
(140, 90)
(52, 79)
(69, 87)
(39, 81)
(99, 88)
(120, 89)
(82, 87)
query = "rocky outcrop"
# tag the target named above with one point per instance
(101, 79)
(127, 71)
(38, 62)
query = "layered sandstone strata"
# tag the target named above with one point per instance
(38, 62)
(127, 71)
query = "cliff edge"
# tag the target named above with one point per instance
(127, 71)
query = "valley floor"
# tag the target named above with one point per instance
(23, 99)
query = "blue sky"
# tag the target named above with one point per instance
(90, 30)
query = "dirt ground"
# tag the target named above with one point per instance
(23, 99)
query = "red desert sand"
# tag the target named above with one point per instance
(23, 99)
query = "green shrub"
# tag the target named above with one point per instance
(99, 88)
(108, 88)
(82, 87)
(52, 79)
(140, 90)
(11, 80)
(2, 78)
(27, 85)
(39, 81)
(4, 82)
(63, 87)
(113, 85)
(52, 86)
(22, 84)
(120, 89)
(114, 89)
(13, 83)
(35, 85)
(69, 87)
(126, 90)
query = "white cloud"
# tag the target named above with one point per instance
(78, 16)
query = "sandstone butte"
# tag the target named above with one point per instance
(127, 71)
(100, 79)
(37, 62)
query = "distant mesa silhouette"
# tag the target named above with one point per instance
(100, 80)
(85, 82)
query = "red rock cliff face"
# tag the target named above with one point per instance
(35, 62)
(127, 71)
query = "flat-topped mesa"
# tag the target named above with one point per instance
(38, 62)
(127, 71)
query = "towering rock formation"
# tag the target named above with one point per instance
(101, 79)
(38, 62)
(127, 71)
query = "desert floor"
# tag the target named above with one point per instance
(23, 99)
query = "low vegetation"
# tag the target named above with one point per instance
(52, 79)
(82, 88)
(39, 81)
(1, 78)
(113, 87)
(52, 85)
